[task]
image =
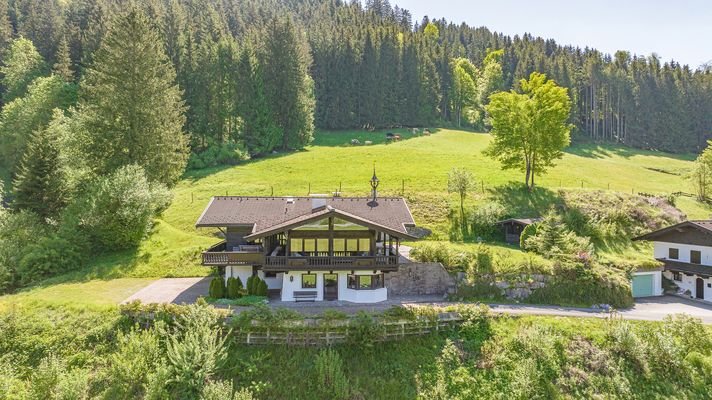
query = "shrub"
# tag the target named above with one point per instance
(364, 330)
(330, 374)
(18, 233)
(217, 154)
(527, 232)
(116, 211)
(250, 284)
(49, 256)
(217, 288)
(233, 288)
(132, 364)
(261, 289)
(196, 353)
(483, 221)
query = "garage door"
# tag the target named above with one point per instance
(642, 285)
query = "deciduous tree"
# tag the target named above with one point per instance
(529, 129)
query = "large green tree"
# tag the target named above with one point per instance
(32, 112)
(464, 91)
(40, 184)
(288, 86)
(131, 109)
(258, 131)
(530, 129)
(5, 26)
(21, 64)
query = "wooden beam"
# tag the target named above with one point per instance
(331, 236)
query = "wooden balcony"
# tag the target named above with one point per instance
(281, 263)
(218, 255)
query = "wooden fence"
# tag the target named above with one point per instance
(302, 334)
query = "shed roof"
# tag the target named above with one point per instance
(521, 221)
(267, 213)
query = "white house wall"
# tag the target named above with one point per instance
(689, 283)
(661, 251)
(241, 271)
(345, 294)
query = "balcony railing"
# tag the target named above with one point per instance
(218, 255)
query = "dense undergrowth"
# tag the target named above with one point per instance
(188, 353)
(583, 244)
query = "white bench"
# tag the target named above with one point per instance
(305, 295)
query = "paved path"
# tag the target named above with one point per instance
(649, 309)
(187, 290)
(172, 290)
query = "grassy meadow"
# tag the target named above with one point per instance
(416, 166)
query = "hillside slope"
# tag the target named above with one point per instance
(417, 166)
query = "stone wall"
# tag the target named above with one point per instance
(420, 279)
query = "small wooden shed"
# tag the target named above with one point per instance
(513, 228)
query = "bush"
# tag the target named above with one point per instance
(527, 232)
(364, 330)
(217, 154)
(233, 288)
(49, 256)
(483, 221)
(116, 211)
(250, 284)
(195, 353)
(330, 375)
(18, 233)
(261, 289)
(217, 288)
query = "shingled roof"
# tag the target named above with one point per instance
(264, 214)
(703, 226)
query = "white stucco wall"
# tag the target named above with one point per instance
(661, 251)
(690, 283)
(272, 283)
(241, 271)
(345, 294)
(657, 281)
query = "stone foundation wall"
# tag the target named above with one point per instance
(420, 279)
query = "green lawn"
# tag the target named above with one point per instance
(417, 166)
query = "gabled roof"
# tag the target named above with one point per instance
(521, 221)
(703, 226)
(274, 214)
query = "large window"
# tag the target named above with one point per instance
(673, 254)
(364, 282)
(308, 281)
(695, 257)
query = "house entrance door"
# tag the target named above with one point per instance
(331, 286)
(700, 292)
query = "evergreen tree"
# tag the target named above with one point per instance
(288, 86)
(40, 182)
(132, 110)
(25, 115)
(258, 131)
(63, 66)
(5, 26)
(21, 64)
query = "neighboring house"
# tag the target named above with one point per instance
(513, 228)
(685, 249)
(310, 248)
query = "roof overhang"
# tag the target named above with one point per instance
(651, 236)
(325, 213)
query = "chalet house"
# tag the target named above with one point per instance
(685, 249)
(310, 248)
